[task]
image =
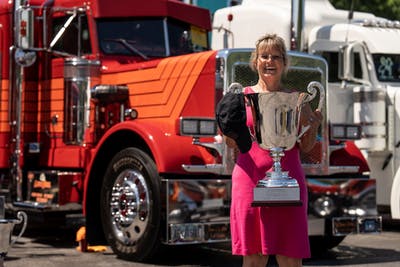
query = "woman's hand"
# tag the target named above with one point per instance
(313, 119)
(230, 142)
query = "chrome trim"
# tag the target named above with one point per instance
(371, 96)
(205, 233)
(197, 204)
(373, 136)
(315, 169)
(208, 168)
(344, 226)
(223, 168)
(343, 169)
(42, 207)
(316, 226)
(79, 76)
(219, 147)
(372, 123)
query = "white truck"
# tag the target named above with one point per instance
(363, 56)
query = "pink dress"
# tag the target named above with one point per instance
(267, 230)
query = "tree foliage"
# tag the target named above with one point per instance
(389, 9)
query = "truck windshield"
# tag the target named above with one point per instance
(146, 38)
(387, 67)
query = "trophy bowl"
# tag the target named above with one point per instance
(6, 228)
(277, 120)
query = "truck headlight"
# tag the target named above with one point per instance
(197, 127)
(345, 131)
(323, 206)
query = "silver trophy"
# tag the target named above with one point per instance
(277, 120)
(6, 229)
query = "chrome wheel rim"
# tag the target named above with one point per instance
(129, 206)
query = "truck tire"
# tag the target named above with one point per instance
(130, 205)
(320, 244)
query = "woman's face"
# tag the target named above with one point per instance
(270, 65)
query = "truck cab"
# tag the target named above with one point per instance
(364, 80)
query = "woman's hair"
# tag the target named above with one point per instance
(269, 41)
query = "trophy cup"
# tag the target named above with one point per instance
(6, 228)
(277, 119)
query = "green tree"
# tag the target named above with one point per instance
(389, 9)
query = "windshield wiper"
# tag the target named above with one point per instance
(127, 44)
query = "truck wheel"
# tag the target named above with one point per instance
(320, 244)
(130, 205)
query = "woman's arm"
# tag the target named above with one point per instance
(313, 119)
(230, 142)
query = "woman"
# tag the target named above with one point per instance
(258, 232)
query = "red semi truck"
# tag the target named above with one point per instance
(107, 108)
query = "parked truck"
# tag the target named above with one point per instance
(107, 108)
(364, 75)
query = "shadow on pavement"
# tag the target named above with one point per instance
(354, 255)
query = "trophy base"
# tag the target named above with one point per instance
(276, 196)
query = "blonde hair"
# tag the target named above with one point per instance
(269, 41)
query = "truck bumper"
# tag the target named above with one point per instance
(342, 206)
(197, 211)
(342, 226)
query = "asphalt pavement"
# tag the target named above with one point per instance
(56, 247)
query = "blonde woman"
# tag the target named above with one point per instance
(258, 232)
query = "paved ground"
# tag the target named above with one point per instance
(56, 247)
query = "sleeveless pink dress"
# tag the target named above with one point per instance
(267, 230)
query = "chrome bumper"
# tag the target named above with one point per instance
(342, 226)
(356, 225)
(197, 211)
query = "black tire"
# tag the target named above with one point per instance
(320, 244)
(130, 205)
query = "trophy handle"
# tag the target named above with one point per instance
(22, 217)
(312, 90)
(235, 88)
(312, 93)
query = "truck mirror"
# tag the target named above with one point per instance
(24, 28)
(341, 60)
(24, 58)
(345, 63)
(353, 63)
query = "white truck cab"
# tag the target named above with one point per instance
(364, 85)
